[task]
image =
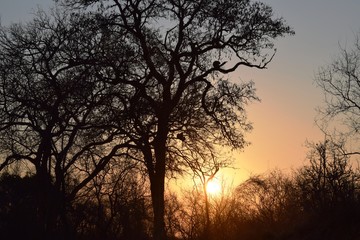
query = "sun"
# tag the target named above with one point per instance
(213, 187)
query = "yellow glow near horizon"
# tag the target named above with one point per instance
(213, 187)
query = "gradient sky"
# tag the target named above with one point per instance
(284, 119)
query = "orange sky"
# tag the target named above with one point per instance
(284, 119)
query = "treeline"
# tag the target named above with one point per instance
(320, 200)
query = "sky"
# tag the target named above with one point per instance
(284, 119)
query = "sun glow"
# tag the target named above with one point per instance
(213, 187)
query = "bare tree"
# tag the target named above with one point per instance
(54, 111)
(340, 82)
(114, 205)
(269, 198)
(204, 169)
(330, 180)
(179, 94)
(269, 206)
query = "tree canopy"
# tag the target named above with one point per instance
(141, 79)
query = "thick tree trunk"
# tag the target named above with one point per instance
(45, 207)
(157, 181)
(157, 195)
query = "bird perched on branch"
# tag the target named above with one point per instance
(216, 64)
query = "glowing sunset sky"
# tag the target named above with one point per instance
(284, 119)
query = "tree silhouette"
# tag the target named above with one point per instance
(329, 181)
(340, 83)
(114, 205)
(177, 98)
(54, 111)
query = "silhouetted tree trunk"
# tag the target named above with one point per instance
(157, 179)
(158, 203)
